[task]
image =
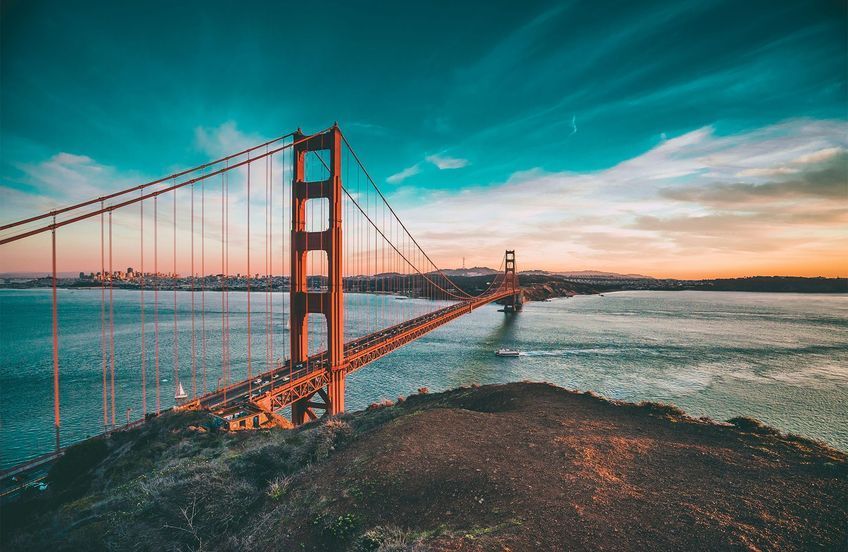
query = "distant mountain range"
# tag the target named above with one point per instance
(485, 271)
(589, 274)
(469, 272)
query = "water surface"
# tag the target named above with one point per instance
(782, 358)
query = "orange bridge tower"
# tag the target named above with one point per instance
(513, 303)
(329, 303)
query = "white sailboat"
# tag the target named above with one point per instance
(180, 393)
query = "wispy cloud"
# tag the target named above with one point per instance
(827, 179)
(367, 128)
(444, 162)
(58, 180)
(404, 174)
(439, 160)
(767, 201)
(224, 139)
(679, 209)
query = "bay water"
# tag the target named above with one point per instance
(780, 358)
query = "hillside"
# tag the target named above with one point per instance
(595, 274)
(505, 467)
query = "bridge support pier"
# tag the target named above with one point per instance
(329, 303)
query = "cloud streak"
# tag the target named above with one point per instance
(439, 160)
(444, 162)
(679, 209)
(773, 200)
(404, 174)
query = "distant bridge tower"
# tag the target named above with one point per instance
(511, 278)
(331, 302)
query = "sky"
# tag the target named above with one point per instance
(675, 139)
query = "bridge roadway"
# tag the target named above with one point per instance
(280, 387)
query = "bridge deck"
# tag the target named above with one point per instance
(282, 386)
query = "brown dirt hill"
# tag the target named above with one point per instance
(505, 467)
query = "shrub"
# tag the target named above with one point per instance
(753, 426)
(386, 539)
(340, 530)
(378, 405)
(662, 409)
(262, 464)
(278, 487)
(325, 438)
(77, 461)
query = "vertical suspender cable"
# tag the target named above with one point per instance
(227, 272)
(156, 298)
(193, 285)
(56, 420)
(103, 317)
(267, 336)
(249, 337)
(269, 266)
(111, 322)
(203, 283)
(223, 280)
(223, 284)
(287, 232)
(176, 347)
(141, 303)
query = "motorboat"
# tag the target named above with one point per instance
(503, 352)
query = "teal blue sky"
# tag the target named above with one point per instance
(444, 98)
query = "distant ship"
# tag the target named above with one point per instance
(180, 393)
(507, 353)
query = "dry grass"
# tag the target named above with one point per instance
(519, 466)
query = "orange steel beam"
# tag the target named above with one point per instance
(314, 376)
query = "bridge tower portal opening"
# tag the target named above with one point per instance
(329, 303)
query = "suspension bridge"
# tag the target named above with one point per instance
(212, 246)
